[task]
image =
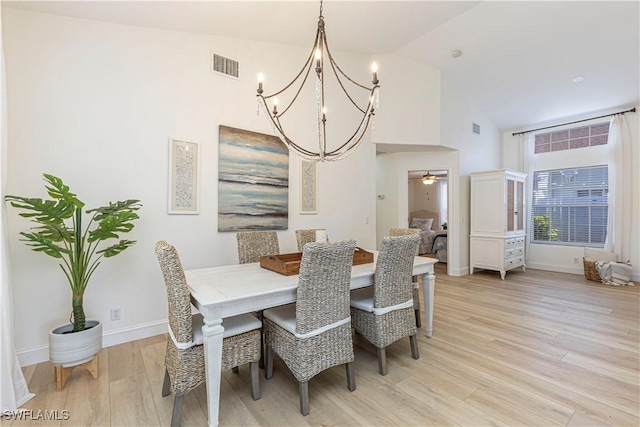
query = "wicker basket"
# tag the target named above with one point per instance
(590, 270)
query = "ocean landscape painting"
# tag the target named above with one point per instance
(253, 181)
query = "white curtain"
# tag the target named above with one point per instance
(13, 387)
(526, 146)
(619, 189)
(442, 201)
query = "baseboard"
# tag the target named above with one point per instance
(458, 273)
(564, 269)
(545, 267)
(579, 269)
(138, 332)
(33, 355)
(117, 336)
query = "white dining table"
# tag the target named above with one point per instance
(219, 292)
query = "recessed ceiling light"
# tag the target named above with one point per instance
(578, 79)
(456, 53)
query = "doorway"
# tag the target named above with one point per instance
(428, 197)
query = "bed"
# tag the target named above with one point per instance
(433, 240)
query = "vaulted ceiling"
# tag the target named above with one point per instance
(518, 61)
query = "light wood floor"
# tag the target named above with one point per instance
(539, 348)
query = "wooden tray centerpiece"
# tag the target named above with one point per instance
(289, 264)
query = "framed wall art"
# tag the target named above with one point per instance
(184, 172)
(253, 181)
(308, 189)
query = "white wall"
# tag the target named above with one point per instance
(388, 197)
(477, 153)
(95, 104)
(423, 197)
(409, 111)
(568, 259)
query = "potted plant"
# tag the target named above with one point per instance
(60, 234)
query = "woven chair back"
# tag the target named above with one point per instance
(392, 282)
(254, 244)
(306, 236)
(178, 296)
(394, 231)
(323, 284)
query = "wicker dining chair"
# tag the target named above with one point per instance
(184, 358)
(383, 313)
(251, 246)
(415, 286)
(314, 334)
(306, 236)
(254, 244)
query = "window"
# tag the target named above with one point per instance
(570, 206)
(585, 136)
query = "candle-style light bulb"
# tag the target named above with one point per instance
(324, 114)
(374, 70)
(318, 57)
(260, 80)
(275, 106)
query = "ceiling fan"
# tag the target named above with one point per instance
(429, 179)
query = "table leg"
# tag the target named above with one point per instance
(428, 287)
(212, 333)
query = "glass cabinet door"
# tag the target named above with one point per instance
(520, 213)
(511, 204)
(515, 205)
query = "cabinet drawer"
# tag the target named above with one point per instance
(509, 253)
(514, 252)
(513, 262)
(509, 243)
(519, 241)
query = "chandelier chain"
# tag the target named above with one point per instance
(321, 128)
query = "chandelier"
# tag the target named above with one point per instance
(320, 55)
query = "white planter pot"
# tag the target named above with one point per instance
(71, 349)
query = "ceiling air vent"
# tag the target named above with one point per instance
(225, 66)
(476, 128)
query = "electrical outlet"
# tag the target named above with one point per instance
(575, 260)
(115, 313)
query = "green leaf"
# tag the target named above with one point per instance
(113, 224)
(117, 248)
(114, 208)
(39, 243)
(43, 211)
(58, 190)
(55, 232)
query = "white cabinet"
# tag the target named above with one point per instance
(498, 221)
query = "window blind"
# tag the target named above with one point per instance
(570, 206)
